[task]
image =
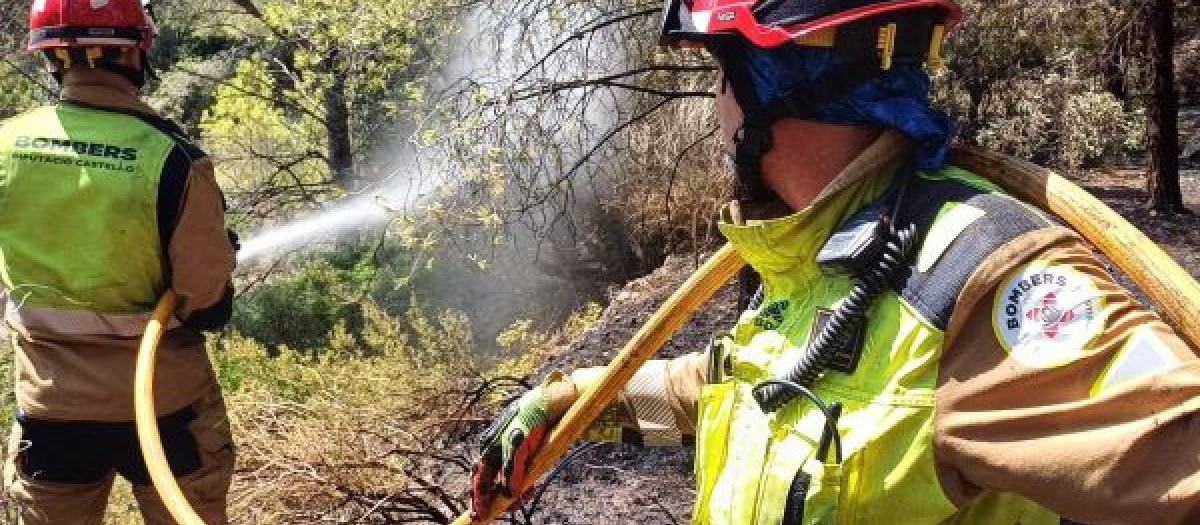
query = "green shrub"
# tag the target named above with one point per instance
(1096, 128)
(1022, 115)
(298, 310)
(388, 358)
(1055, 121)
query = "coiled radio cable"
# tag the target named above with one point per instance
(871, 247)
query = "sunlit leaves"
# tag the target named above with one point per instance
(327, 83)
(253, 134)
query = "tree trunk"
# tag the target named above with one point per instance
(337, 129)
(975, 94)
(1163, 111)
(1114, 72)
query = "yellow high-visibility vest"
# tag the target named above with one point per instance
(79, 225)
(747, 459)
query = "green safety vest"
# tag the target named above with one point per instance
(748, 459)
(78, 210)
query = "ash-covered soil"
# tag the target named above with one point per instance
(614, 484)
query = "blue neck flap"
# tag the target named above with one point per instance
(899, 99)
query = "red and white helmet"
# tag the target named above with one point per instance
(772, 23)
(56, 24)
(864, 39)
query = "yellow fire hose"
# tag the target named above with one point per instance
(667, 320)
(147, 422)
(1172, 288)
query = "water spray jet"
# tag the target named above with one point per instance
(340, 218)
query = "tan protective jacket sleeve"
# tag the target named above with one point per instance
(658, 404)
(201, 257)
(1110, 435)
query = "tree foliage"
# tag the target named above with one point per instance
(322, 85)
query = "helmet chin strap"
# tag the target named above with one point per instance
(108, 59)
(863, 51)
(753, 139)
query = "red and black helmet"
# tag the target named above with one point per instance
(57, 24)
(772, 23)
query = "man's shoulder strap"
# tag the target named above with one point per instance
(962, 220)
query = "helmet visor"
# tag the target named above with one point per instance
(773, 23)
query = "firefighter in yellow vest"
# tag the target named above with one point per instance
(104, 206)
(926, 350)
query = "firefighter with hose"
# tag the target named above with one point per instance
(924, 349)
(104, 206)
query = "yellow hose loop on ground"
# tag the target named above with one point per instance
(648, 340)
(147, 422)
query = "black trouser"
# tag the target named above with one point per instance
(85, 452)
(61, 472)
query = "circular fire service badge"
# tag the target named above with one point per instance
(1046, 314)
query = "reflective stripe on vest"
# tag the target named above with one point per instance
(30, 319)
(747, 460)
(78, 209)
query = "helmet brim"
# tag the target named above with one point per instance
(683, 27)
(60, 37)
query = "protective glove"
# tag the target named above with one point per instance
(508, 445)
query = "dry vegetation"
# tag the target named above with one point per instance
(343, 438)
(369, 440)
